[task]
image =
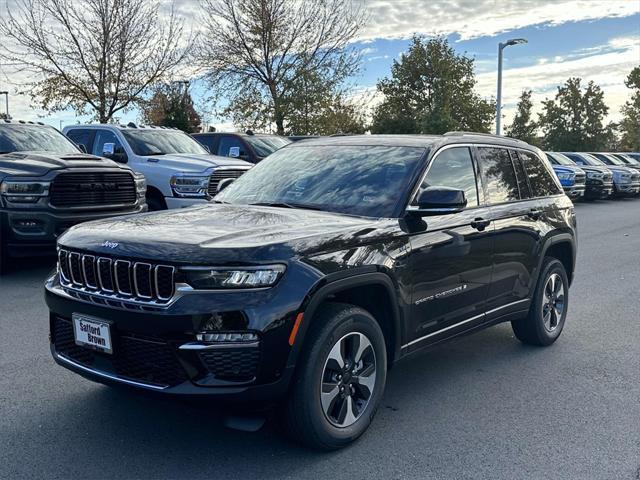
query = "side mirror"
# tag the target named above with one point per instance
(81, 147)
(224, 183)
(117, 154)
(438, 201)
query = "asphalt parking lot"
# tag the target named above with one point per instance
(483, 406)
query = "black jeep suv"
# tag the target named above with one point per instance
(316, 271)
(47, 184)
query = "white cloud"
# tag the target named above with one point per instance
(478, 18)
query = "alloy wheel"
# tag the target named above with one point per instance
(553, 302)
(348, 379)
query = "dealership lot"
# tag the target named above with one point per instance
(484, 406)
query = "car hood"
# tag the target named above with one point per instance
(620, 169)
(226, 234)
(567, 169)
(595, 168)
(40, 163)
(196, 163)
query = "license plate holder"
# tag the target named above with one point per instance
(91, 332)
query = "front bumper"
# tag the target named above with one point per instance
(34, 232)
(575, 191)
(598, 191)
(156, 349)
(626, 189)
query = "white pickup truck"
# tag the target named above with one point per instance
(179, 171)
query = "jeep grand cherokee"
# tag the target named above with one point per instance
(316, 271)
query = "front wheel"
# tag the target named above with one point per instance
(340, 380)
(545, 320)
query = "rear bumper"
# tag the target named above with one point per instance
(35, 232)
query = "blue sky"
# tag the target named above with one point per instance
(595, 39)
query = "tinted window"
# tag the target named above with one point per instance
(358, 180)
(521, 176)
(206, 140)
(227, 142)
(541, 181)
(499, 175)
(106, 136)
(34, 138)
(454, 168)
(265, 146)
(81, 137)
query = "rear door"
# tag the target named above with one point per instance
(519, 231)
(450, 255)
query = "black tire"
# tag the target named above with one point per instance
(304, 417)
(533, 329)
(155, 202)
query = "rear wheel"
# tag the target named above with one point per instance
(545, 320)
(340, 380)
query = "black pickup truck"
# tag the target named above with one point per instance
(47, 184)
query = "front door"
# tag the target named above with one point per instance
(451, 255)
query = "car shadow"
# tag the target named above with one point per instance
(118, 432)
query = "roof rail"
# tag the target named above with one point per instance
(477, 134)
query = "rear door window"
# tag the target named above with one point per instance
(521, 176)
(540, 178)
(499, 175)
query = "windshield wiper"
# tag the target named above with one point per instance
(287, 205)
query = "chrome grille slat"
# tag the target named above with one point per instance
(222, 174)
(138, 282)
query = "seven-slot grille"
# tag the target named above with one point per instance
(219, 175)
(139, 281)
(80, 189)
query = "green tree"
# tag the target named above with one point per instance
(630, 124)
(574, 119)
(431, 90)
(523, 126)
(171, 105)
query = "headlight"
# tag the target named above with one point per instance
(594, 175)
(141, 184)
(565, 176)
(184, 185)
(24, 192)
(243, 277)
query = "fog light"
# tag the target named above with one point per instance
(227, 337)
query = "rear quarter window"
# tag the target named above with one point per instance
(540, 178)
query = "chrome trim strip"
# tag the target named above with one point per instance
(106, 375)
(84, 270)
(213, 346)
(462, 323)
(155, 278)
(73, 278)
(115, 272)
(110, 264)
(62, 275)
(135, 280)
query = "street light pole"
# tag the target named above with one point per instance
(6, 100)
(502, 46)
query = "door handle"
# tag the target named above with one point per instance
(534, 213)
(480, 223)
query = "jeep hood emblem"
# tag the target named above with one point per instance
(110, 245)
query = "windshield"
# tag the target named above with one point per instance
(585, 158)
(265, 146)
(561, 159)
(161, 142)
(34, 138)
(356, 180)
(610, 159)
(629, 160)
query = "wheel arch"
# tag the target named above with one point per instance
(562, 247)
(374, 292)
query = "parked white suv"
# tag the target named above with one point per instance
(179, 171)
